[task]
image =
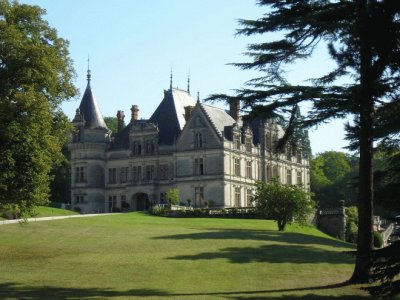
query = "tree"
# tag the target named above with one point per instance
(333, 176)
(112, 124)
(35, 77)
(362, 38)
(173, 196)
(283, 203)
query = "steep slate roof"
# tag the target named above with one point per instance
(90, 109)
(219, 118)
(170, 115)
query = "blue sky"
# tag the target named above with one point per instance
(134, 44)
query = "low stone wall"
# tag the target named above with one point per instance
(332, 221)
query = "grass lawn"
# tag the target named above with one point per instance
(45, 211)
(136, 255)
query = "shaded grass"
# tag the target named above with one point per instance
(137, 255)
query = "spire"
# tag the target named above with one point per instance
(188, 83)
(89, 76)
(170, 80)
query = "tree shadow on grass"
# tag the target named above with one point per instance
(259, 235)
(273, 254)
(17, 291)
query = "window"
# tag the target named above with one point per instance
(198, 196)
(237, 196)
(236, 141)
(289, 176)
(137, 173)
(149, 172)
(150, 147)
(274, 140)
(236, 162)
(288, 153)
(275, 171)
(249, 197)
(80, 174)
(299, 156)
(198, 166)
(112, 175)
(112, 203)
(198, 140)
(268, 172)
(124, 174)
(248, 143)
(163, 171)
(79, 199)
(268, 141)
(162, 198)
(137, 148)
(249, 169)
(299, 177)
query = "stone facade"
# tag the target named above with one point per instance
(206, 152)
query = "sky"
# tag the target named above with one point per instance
(133, 45)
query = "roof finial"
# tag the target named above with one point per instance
(188, 83)
(88, 70)
(198, 97)
(170, 80)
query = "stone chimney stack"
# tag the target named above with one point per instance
(188, 111)
(234, 110)
(135, 114)
(120, 118)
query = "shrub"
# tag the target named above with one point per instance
(378, 240)
(351, 224)
(173, 196)
(159, 210)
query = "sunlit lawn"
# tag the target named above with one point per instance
(137, 255)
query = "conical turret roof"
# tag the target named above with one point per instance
(90, 109)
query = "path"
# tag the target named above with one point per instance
(51, 218)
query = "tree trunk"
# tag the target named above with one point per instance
(365, 194)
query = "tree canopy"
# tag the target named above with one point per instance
(333, 178)
(283, 203)
(36, 75)
(362, 38)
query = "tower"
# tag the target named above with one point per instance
(90, 141)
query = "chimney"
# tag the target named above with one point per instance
(234, 110)
(135, 114)
(188, 111)
(121, 122)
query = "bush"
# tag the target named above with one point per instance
(173, 196)
(351, 224)
(159, 210)
(378, 240)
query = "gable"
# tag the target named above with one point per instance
(199, 133)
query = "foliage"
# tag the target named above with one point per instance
(283, 203)
(173, 196)
(362, 39)
(387, 180)
(351, 224)
(112, 124)
(333, 176)
(159, 210)
(378, 240)
(386, 270)
(35, 77)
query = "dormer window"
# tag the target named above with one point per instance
(236, 141)
(248, 144)
(137, 148)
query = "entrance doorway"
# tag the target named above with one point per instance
(141, 201)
